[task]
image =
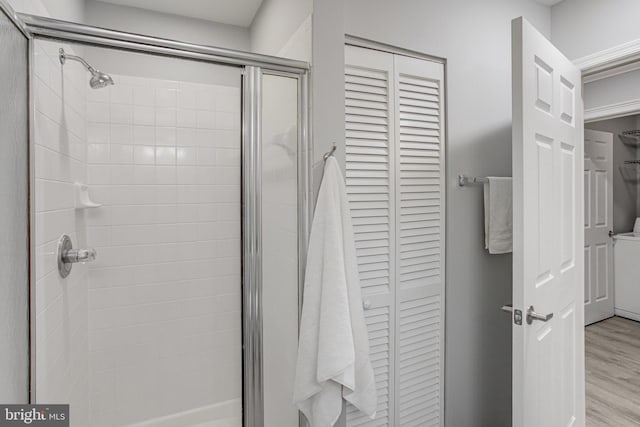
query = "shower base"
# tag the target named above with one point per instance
(225, 414)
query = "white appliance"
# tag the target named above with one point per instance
(627, 275)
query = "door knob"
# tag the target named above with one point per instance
(610, 233)
(532, 315)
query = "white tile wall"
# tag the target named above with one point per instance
(165, 292)
(61, 304)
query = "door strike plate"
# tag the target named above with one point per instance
(517, 317)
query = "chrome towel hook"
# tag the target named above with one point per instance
(329, 153)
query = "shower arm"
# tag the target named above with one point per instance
(64, 56)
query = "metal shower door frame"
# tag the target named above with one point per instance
(252, 224)
(254, 66)
(7, 10)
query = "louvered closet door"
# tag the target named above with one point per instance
(419, 284)
(395, 181)
(370, 180)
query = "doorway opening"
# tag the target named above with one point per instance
(612, 248)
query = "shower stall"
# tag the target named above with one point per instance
(168, 205)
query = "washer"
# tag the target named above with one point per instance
(627, 275)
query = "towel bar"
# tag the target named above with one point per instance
(464, 180)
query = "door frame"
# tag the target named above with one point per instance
(608, 63)
(605, 64)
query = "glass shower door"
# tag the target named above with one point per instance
(280, 162)
(149, 333)
(275, 219)
(151, 273)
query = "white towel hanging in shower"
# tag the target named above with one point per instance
(333, 350)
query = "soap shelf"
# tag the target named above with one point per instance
(631, 171)
(630, 137)
(82, 198)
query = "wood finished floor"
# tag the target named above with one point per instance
(612, 358)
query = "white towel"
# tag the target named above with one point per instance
(498, 215)
(333, 350)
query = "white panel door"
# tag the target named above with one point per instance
(395, 183)
(598, 223)
(548, 234)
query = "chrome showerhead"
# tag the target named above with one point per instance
(98, 78)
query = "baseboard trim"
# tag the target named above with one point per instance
(627, 314)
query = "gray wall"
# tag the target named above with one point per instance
(113, 61)
(612, 90)
(624, 193)
(67, 10)
(583, 27)
(163, 25)
(475, 38)
(275, 23)
(14, 215)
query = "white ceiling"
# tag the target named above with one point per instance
(234, 12)
(549, 2)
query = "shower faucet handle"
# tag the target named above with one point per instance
(79, 255)
(88, 255)
(67, 255)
